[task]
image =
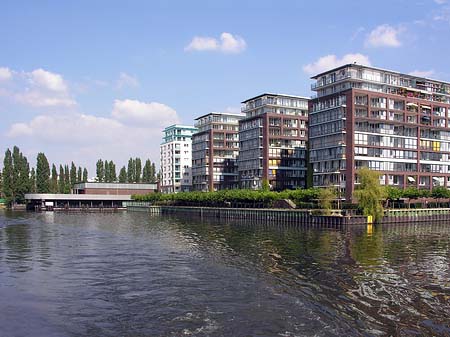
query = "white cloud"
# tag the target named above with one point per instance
(202, 43)
(384, 36)
(126, 80)
(136, 112)
(67, 128)
(37, 98)
(329, 62)
(422, 73)
(231, 44)
(48, 81)
(85, 138)
(5, 74)
(38, 88)
(228, 43)
(440, 2)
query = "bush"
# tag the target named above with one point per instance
(262, 197)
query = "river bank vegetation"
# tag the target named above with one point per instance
(19, 177)
(303, 198)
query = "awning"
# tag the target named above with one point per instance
(411, 104)
(438, 179)
(426, 107)
(411, 179)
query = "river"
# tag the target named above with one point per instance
(134, 274)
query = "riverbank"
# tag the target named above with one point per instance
(298, 217)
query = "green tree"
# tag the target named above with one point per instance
(32, 181)
(1, 184)
(79, 175)
(370, 193)
(67, 186)
(100, 171)
(16, 173)
(54, 180)
(153, 173)
(123, 175)
(137, 170)
(8, 190)
(130, 171)
(146, 172)
(107, 177)
(326, 197)
(112, 171)
(85, 175)
(61, 182)
(393, 193)
(42, 174)
(73, 174)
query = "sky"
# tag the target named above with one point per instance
(84, 80)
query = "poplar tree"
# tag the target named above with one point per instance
(1, 184)
(112, 171)
(42, 174)
(153, 174)
(79, 175)
(123, 175)
(8, 191)
(20, 176)
(66, 179)
(107, 177)
(146, 172)
(61, 182)
(137, 170)
(54, 180)
(73, 174)
(85, 175)
(100, 170)
(130, 171)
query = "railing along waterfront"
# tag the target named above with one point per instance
(295, 216)
(416, 215)
(285, 216)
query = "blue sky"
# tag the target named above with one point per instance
(84, 80)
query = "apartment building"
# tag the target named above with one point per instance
(272, 142)
(215, 148)
(176, 159)
(394, 123)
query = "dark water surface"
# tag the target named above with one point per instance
(133, 274)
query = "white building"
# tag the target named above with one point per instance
(176, 159)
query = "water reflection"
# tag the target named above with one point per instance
(136, 274)
(386, 278)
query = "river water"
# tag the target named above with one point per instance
(134, 274)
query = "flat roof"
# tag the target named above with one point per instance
(117, 186)
(179, 126)
(238, 114)
(76, 197)
(273, 94)
(375, 68)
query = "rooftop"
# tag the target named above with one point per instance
(234, 114)
(279, 95)
(179, 126)
(360, 66)
(76, 197)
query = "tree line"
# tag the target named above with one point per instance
(133, 173)
(17, 178)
